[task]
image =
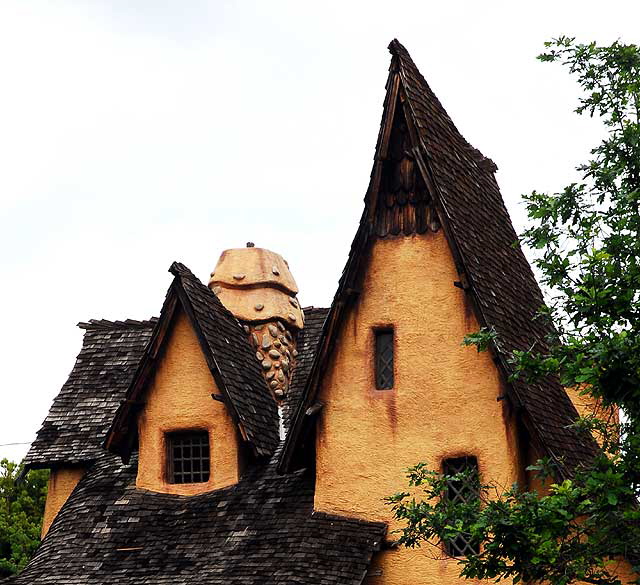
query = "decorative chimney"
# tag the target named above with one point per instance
(256, 285)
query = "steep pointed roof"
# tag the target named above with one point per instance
(230, 360)
(466, 201)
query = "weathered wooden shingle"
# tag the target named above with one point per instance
(261, 531)
(81, 414)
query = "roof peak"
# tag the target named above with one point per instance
(179, 269)
(395, 45)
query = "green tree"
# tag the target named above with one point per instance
(587, 239)
(21, 511)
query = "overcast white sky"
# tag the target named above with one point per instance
(135, 133)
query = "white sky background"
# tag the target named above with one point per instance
(137, 133)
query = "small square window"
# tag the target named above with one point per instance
(462, 490)
(188, 457)
(384, 359)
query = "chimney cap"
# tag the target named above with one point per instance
(256, 284)
(251, 268)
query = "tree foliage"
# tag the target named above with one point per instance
(21, 511)
(587, 238)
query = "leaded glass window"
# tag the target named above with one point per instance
(464, 489)
(384, 359)
(188, 457)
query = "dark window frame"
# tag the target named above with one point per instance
(384, 343)
(188, 456)
(465, 491)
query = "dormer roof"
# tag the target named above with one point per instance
(229, 357)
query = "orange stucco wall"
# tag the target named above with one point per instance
(179, 398)
(62, 482)
(587, 405)
(443, 403)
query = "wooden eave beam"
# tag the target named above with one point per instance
(357, 257)
(382, 147)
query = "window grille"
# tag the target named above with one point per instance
(464, 490)
(188, 457)
(384, 359)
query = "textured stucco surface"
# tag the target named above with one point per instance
(178, 399)
(443, 403)
(587, 405)
(62, 482)
(246, 267)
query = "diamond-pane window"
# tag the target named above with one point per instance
(462, 490)
(188, 457)
(384, 359)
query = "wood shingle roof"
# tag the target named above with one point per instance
(261, 530)
(82, 412)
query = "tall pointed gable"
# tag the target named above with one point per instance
(228, 355)
(426, 175)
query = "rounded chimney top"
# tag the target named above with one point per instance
(255, 284)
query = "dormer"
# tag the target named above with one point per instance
(198, 407)
(187, 440)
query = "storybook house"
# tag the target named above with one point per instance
(240, 438)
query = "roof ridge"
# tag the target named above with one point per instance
(94, 324)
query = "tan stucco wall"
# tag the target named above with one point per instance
(587, 405)
(443, 404)
(62, 482)
(179, 398)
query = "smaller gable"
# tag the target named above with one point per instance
(229, 358)
(178, 400)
